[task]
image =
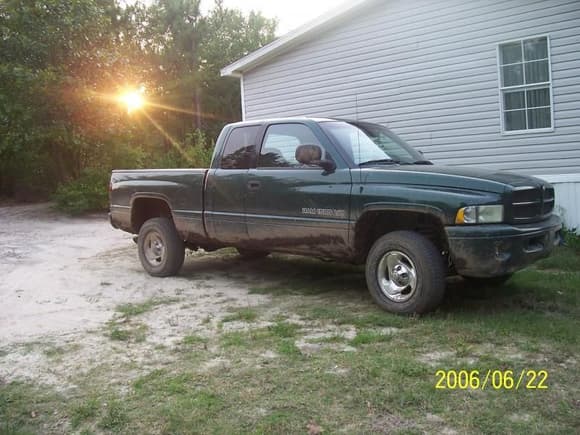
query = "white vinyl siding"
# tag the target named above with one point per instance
(429, 71)
(525, 85)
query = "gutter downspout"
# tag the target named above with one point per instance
(242, 95)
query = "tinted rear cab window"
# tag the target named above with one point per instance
(240, 149)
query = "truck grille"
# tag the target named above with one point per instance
(532, 203)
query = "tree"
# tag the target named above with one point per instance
(56, 56)
(59, 62)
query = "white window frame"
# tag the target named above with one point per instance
(524, 87)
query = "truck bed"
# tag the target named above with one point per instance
(181, 189)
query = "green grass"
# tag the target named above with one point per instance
(129, 332)
(123, 327)
(58, 352)
(564, 259)
(380, 381)
(242, 315)
(132, 310)
(369, 337)
(190, 340)
(288, 348)
(284, 329)
(84, 411)
(115, 416)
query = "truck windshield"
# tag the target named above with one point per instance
(368, 143)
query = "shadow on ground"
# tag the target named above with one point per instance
(280, 274)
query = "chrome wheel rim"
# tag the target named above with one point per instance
(397, 276)
(154, 248)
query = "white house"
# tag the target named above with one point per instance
(482, 83)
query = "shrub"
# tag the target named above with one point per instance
(87, 193)
(194, 152)
(572, 240)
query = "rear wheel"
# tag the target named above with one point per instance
(252, 254)
(405, 273)
(161, 250)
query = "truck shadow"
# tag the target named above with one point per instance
(287, 274)
(461, 295)
(281, 274)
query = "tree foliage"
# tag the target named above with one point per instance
(61, 62)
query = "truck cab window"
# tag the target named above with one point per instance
(240, 148)
(280, 143)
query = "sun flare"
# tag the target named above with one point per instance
(133, 100)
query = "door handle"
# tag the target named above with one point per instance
(254, 185)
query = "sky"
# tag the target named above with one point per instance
(290, 13)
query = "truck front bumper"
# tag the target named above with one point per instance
(500, 249)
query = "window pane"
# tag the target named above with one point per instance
(515, 120)
(514, 100)
(538, 97)
(510, 53)
(512, 75)
(539, 118)
(537, 72)
(280, 143)
(240, 149)
(536, 48)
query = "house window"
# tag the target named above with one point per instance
(525, 85)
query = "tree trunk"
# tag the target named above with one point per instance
(197, 107)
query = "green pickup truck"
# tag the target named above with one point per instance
(348, 191)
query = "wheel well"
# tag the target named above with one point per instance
(144, 209)
(374, 224)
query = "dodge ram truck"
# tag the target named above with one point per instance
(348, 191)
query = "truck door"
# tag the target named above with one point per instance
(225, 195)
(294, 207)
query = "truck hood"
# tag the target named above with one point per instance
(449, 177)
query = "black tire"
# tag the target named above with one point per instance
(251, 254)
(168, 259)
(419, 256)
(492, 281)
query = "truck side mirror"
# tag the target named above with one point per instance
(312, 155)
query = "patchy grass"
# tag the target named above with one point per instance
(132, 310)
(381, 381)
(115, 416)
(288, 348)
(84, 411)
(123, 327)
(58, 352)
(242, 315)
(284, 329)
(368, 337)
(25, 408)
(129, 332)
(572, 240)
(564, 259)
(190, 340)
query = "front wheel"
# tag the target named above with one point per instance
(161, 250)
(405, 273)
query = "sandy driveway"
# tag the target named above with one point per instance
(62, 278)
(54, 272)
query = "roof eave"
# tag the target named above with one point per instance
(239, 67)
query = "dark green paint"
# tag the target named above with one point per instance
(311, 212)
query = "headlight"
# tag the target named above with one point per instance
(480, 214)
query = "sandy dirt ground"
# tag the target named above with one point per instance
(61, 279)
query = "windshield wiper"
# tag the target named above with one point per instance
(380, 161)
(422, 162)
